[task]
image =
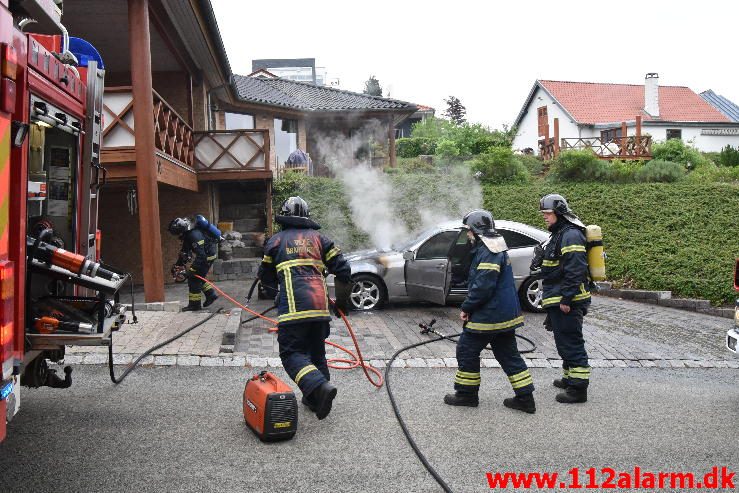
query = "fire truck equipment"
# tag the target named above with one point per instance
(270, 407)
(596, 254)
(73, 262)
(49, 325)
(178, 273)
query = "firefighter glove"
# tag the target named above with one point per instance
(343, 290)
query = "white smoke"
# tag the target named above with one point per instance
(376, 200)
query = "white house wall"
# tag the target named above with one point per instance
(692, 135)
(528, 129)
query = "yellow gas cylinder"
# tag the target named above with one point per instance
(596, 253)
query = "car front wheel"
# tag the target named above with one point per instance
(368, 293)
(530, 295)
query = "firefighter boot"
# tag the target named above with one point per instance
(523, 403)
(210, 297)
(462, 399)
(573, 395)
(559, 383)
(308, 403)
(192, 306)
(323, 398)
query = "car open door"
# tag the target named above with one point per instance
(428, 269)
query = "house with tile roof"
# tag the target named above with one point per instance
(326, 122)
(599, 115)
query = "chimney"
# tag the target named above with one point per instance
(651, 94)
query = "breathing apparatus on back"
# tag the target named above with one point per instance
(596, 256)
(202, 224)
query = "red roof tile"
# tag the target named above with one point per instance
(592, 103)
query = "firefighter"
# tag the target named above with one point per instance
(490, 313)
(566, 297)
(295, 258)
(203, 246)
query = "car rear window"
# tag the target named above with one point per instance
(517, 240)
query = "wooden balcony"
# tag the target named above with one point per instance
(232, 154)
(173, 141)
(631, 147)
(183, 156)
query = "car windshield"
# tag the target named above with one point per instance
(406, 245)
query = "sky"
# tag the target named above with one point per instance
(487, 53)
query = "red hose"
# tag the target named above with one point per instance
(357, 359)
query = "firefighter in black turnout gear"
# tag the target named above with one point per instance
(491, 313)
(566, 298)
(295, 258)
(203, 246)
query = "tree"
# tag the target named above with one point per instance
(373, 87)
(455, 110)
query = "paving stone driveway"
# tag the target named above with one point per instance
(617, 332)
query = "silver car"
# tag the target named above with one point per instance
(434, 267)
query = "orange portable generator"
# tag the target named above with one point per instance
(270, 407)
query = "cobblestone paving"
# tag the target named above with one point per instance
(618, 333)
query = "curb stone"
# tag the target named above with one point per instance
(664, 298)
(241, 360)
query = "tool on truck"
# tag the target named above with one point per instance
(54, 289)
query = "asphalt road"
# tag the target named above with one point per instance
(181, 429)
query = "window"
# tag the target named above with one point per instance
(239, 121)
(610, 135)
(517, 240)
(286, 139)
(674, 133)
(543, 120)
(437, 246)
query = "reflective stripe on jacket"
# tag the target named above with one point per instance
(492, 301)
(298, 257)
(565, 267)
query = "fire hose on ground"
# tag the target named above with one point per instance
(343, 363)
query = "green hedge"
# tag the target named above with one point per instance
(677, 237)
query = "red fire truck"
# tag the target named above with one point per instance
(54, 290)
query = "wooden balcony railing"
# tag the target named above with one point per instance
(231, 150)
(631, 147)
(173, 137)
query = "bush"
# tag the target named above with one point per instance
(677, 151)
(447, 148)
(414, 165)
(729, 157)
(414, 147)
(658, 171)
(579, 165)
(500, 165)
(655, 234)
(532, 163)
(469, 138)
(710, 173)
(622, 171)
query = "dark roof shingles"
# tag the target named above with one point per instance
(308, 97)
